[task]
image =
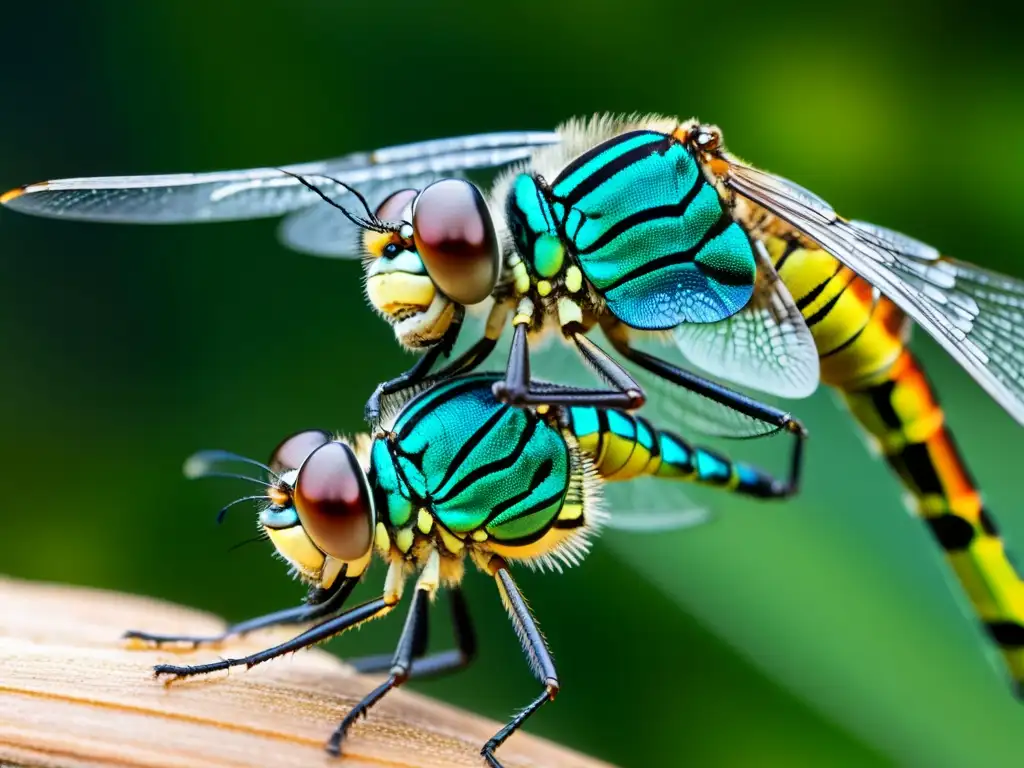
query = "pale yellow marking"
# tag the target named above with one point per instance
(480, 535)
(569, 312)
(521, 319)
(381, 539)
(424, 521)
(521, 277)
(571, 512)
(356, 567)
(297, 549)
(496, 321)
(513, 260)
(403, 539)
(573, 279)
(392, 291)
(452, 543)
(430, 577)
(331, 570)
(394, 583)
(543, 287)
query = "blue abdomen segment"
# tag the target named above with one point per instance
(473, 463)
(623, 446)
(648, 231)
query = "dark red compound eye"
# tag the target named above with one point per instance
(456, 241)
(293, 450)
(394, 205)
(332, 499)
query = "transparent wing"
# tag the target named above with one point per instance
(975, 314)
(671, 404)
(766, 346)
(260, 192)
(322, 230)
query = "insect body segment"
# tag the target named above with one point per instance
(649, 232)
(861, 337)
(624, 446)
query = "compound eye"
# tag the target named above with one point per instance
(333, 502)
(394, 205)
(293, 450)
(456, 240)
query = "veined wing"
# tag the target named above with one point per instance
(322, 230)
(260, 192)
(766, 346)
(975, 314)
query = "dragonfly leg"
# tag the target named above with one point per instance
(741, 403)
(517, 388)
(320, 604)
(442, 662)
(536, 650)
(323, 631)
(412, 644)
(419, 375)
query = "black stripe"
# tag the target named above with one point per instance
(655, 442)
(533, 508)
(822, 313)
(791, 245)
(609, 169)
(454, 391)
(473, 441)
(1008, 634)
(807, 299)
(854, 337)
(600, 149)
(602, 430)
(495, 466)
(680, 257)
(919, 463)
(953, 533)
(648, 214)
(881, 398)
(988, 525)
(510, 502)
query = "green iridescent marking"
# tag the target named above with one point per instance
(473, 463)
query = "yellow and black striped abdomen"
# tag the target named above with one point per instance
(623, 446)
(861, 341)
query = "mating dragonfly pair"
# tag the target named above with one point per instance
(644, 227)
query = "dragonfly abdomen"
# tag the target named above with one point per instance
(861, 342)
(623, 447)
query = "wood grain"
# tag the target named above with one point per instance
(74, 695)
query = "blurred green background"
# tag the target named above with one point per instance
(821, 632)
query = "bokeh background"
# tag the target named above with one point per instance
(821, 632)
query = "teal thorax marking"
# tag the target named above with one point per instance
(646, 228)
(472, 463)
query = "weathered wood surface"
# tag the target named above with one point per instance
(74, 695)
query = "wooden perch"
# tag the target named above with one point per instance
(74, 695)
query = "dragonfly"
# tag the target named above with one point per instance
(833, 299)
(457, 475)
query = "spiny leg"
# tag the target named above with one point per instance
(439, 663)
(536, 650)
(741, 403)
(320, 604)
(517, 388)
(419, 375)
(312, 636)
(411, 643)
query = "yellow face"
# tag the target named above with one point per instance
(443, 253)
(399, 287)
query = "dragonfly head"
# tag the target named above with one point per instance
(319, 511)
(442, 253)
